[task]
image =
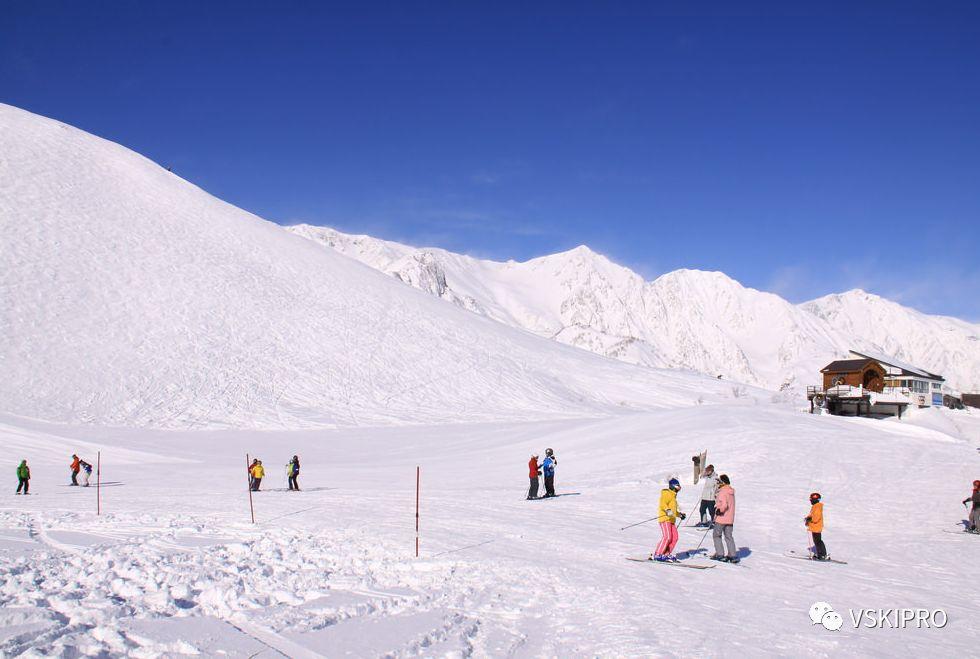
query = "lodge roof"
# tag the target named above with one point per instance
(847, 365)
(905, 368)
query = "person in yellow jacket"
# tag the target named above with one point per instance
(668, 514)
(814, 523)
(257, 472)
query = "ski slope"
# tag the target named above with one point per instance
(133, 298)
(173, 567)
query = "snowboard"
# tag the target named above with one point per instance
(700, 461)
(653, 562)
(795, 554)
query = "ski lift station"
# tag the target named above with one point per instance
(869, 384)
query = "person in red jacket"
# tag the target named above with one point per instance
(534, 470)
(75, 466)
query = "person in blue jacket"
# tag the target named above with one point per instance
(548, 467)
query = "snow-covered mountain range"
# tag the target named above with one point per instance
(132, 297)
(693, 319)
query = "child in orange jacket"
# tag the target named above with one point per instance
(814, 522)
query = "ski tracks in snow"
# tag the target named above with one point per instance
(297, 593)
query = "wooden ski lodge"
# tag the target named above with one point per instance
(866, 384)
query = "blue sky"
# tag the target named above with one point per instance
(802, 150)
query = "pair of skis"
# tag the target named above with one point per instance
(692, 566)
(699, 566)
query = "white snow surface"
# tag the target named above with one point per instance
(134, 298)
(693, 319)
(173, 566)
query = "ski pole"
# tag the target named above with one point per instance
(703, 537)
(629, 526)
(690, 514)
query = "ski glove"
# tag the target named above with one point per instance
(682, 516)
(807, 519)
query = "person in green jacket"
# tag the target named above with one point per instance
(23, 476)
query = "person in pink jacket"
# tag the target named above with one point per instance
(724, 521)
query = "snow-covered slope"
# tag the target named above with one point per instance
(704, 321)
(132, 297)
(173, 566)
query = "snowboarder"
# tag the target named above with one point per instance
(258, 472)
(549, 464)
(86, 471)
(814, 523)
(724, 521)
(534, 470)
(708, 496)
(23, 476)
(975, 511)
(75, 467)
(292, 472)
(668, 514)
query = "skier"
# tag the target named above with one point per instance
(534, 470)
(708, 495)
(725, 521)
(86, 471)
(258, 472)
(75, 466)
(975, 512)
(668, 514)
(23, 476)
(549, 464)
(814, 523)
(292, 471)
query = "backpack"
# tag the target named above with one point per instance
(289, 468)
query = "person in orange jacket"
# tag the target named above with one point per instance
(534, 470)
(814, 523)
(75, 466)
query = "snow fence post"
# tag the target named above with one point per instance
(418, 482)
(98, 483)
(249, 482)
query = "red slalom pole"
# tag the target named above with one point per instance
(418, 481)
(249, 481)
(98, 483)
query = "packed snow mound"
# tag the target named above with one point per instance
(132, 297)
(704, 321)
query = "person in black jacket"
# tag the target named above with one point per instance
(293, 473)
